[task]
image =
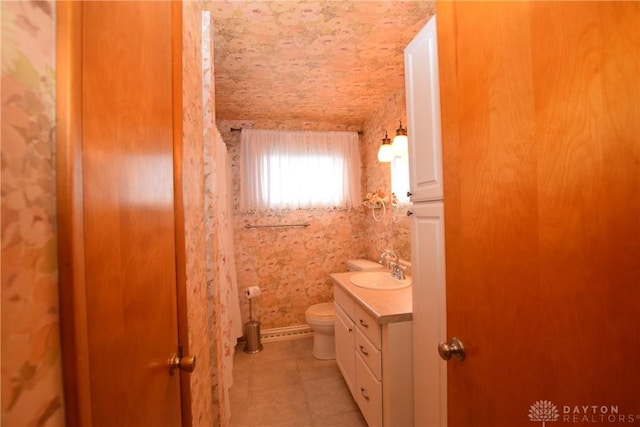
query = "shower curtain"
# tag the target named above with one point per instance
(223, 305)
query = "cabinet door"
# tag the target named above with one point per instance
(369, 394)
(345, 345)
(429, 313)
(423, 115)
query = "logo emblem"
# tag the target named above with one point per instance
(543, 410)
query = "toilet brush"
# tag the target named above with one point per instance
(252, 327)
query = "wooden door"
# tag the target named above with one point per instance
(118, 233)
(541, 148)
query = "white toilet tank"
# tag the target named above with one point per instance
(362, 265)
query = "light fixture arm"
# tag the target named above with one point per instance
(401, 131)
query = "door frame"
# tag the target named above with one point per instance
(70, 222)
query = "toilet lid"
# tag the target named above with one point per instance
(324, 310)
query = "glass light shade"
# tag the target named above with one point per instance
(401, 145)
(385, 153)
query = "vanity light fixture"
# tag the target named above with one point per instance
(401, 142)
(385, 153)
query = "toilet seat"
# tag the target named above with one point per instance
(321, 314)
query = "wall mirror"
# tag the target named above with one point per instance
(400, 223)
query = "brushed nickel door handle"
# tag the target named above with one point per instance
(183, 363)
(453, 348)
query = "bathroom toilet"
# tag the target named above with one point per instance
(321, 319)
(362, 265)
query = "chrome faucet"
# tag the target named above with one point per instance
(396, 269)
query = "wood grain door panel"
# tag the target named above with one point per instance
(119, 180)
(541, 131)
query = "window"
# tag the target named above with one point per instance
(299, 169)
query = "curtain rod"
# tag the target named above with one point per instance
(240, 129)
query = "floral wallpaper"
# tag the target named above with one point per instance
(204, 399)
(312, 65)
(31, 364)
(393, 231)
(345, 57)
(291, 265)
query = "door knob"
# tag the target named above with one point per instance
(453, 348)
(184, 363)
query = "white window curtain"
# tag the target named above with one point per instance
(284, 169)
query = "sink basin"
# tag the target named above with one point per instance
(378, 280)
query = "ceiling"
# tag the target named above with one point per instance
(330, 61)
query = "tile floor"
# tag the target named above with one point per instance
(284, 385)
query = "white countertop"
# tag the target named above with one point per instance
(387, 306)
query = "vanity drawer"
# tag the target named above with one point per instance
(371, 355)
(368, 394)
(368, 325)
(345, 301)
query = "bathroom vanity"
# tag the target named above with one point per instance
(374, 351)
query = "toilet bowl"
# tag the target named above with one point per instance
(320, 317)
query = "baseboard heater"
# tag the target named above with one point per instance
(286, 333)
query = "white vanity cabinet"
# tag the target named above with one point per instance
(374, 355)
